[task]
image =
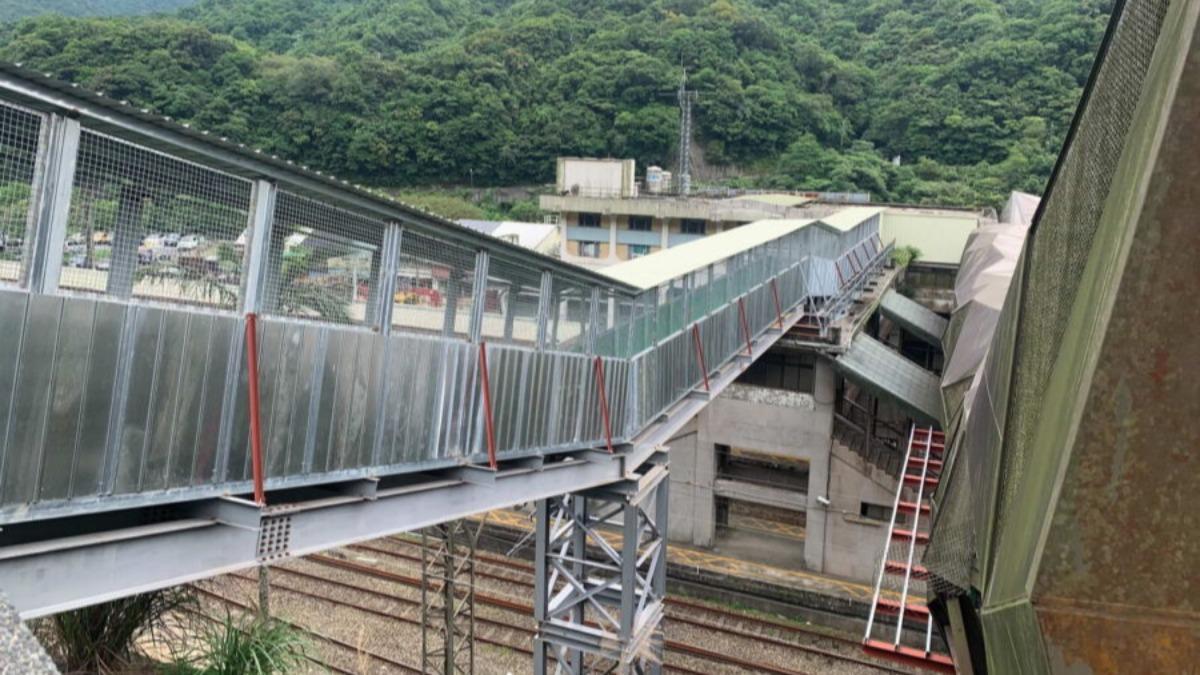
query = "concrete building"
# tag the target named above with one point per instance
(604, 220)
(796, 464)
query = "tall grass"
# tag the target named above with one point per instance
(102, 638)
(244, 647)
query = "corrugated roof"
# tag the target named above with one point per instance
(652, 270)
(914, 317)
(851, 217)
(776, 198)
(881, 369)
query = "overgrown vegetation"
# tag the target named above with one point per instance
(102, 638)
(903, 255)
(248, 646)
(973, 96)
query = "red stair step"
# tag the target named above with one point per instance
(909, 656)
(916, 462)
(890, 606)
(906, 535)
(911, 507)
(899, 568)
(914, 479)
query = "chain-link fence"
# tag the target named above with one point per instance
(20, 131)
(148, 225)
(323, 261)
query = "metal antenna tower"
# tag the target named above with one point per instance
(686, 98)
(448, 597)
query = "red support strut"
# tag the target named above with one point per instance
(700, 354)
(745, 326)
(256, 458)
(487, 406)
(603, 391)
(778, 307)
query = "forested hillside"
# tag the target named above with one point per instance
(18, 9)
(974, 96)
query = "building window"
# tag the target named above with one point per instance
(638, 250)
(875, 511)
(692, 226)
(589, 249)
(589, 220)
(640, 223)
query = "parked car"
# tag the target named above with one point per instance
(153, 241)
(189, 242)
(171, 239)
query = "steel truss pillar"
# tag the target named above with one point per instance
(601, 566)
(448, 597)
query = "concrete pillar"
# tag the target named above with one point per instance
(693, 469)
(612, 237)
(665, 228)
(824, 390)
(704, 502)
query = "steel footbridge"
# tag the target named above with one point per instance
(212, 358)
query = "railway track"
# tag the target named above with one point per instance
(685, 609)
(507, 621)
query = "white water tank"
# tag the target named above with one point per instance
(654, 184)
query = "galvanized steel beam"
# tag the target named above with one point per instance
(205, 538)
(58, 152)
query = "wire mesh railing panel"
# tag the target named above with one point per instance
(570, 314)
(435, 286)
(322, 261)
(147, 225)
(511, 302)
(20, 131)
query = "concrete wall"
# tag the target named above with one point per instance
(838, 540)
(853, 543)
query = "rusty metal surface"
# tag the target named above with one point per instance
(1118, 588)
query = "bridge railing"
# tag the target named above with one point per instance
(132, 249)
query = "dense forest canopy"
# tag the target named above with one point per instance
(19, 9)
(973, 96)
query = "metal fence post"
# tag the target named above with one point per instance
(593, 329)
(382, 299)
(545, 303)
(257, 260)
(55, 178)
(480, 293)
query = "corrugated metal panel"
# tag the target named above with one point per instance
(877, 366)
(914, 317)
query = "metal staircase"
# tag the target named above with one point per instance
(900, 625)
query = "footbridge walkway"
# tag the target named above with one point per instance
(212, 357)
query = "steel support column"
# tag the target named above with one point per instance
(601, 576)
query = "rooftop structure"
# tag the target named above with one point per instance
(605, 229)
(538, 237)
